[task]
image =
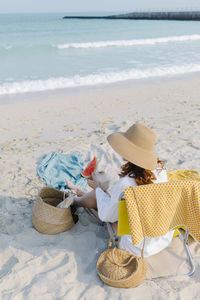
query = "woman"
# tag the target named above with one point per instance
(135, 146)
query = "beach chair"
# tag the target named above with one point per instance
(185, 197)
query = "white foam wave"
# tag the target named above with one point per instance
(93, 79)
(125, 43)
(6, 47)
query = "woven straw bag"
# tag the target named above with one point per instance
(118, 268)
(46, 217)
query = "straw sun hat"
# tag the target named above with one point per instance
(136, 145)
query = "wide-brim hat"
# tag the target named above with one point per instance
(136, 145)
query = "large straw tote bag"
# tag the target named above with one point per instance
(118, 268)
(46, 217)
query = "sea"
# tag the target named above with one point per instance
(44, 52)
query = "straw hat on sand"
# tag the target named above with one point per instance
(136, 145)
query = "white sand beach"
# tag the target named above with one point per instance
(63, 266)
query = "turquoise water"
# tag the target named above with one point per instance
(41, 52)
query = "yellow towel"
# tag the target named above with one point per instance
(183, 175)
(163, 206)
(123, 223)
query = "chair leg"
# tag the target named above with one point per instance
(189, 255)
(113, 235)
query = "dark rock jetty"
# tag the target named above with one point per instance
(178, 16)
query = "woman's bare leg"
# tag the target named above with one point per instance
(87, 200)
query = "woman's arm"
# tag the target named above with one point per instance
(108, 204)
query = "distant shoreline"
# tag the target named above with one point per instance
(175, 16)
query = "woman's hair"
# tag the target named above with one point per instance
(141, 176)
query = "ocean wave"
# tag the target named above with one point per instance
(26, 48)
(103, 44)
(125, 43)
(93, 79)
(6, 47)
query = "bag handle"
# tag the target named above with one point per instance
(143, 231)
(28, 193)
(112, 237)
(118, 264)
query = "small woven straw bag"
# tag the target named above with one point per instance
(118, 268)
(46, 217)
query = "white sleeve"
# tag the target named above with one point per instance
(108, 205)
(161, 176)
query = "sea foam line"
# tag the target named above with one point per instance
(93, 79)
(125, 43)
(5, 47)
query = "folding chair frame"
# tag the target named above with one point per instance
(184, 238)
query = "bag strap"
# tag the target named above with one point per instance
(36, 188)
(112, 237)
(112, 240)
(143, 231)
(117, 263)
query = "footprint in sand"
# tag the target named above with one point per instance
(7, 267)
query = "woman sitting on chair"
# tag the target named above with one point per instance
(135, 146)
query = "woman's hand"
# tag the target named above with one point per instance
(93, 183)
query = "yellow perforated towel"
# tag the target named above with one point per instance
(183, 175)
(123, 223)
(163, 206)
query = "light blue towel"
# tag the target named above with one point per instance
(55, 168)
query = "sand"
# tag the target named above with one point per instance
(63, 266)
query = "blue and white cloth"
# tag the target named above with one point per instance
(55, 168)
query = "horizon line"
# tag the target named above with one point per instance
(107, 11)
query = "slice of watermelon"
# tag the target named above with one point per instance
(89, 170)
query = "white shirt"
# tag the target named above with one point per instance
(108, 212)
